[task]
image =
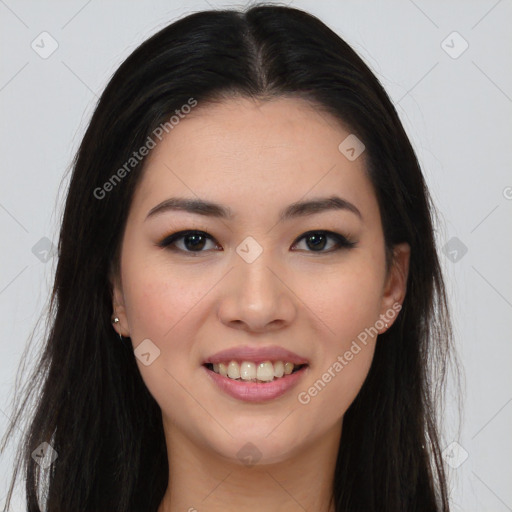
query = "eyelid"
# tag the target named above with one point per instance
(167, 241)
(344, 241)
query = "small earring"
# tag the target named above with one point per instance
(115, 321)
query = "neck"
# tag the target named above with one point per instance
(203, 481)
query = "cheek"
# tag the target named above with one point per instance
(345, 299)
(160, 298)
(164, 305)
(346, 303)
(330, 390)
(345, 349)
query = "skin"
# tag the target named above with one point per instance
(256, 158)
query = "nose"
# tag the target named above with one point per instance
(257, 297)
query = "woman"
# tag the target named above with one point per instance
(249, 312)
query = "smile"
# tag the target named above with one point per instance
(265, 371)
(253, 382)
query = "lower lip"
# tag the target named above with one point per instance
(256, 391)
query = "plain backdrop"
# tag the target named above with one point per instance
(446, 67)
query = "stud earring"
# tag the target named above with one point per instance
(115, 321)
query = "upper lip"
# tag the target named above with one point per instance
(256, 355)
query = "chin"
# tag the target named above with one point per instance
(250, 447)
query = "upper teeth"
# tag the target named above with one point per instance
(247, 370)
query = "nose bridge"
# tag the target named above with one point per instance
(256, 295)
(257, 285)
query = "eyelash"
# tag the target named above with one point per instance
(341, 241)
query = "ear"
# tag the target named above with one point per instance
(118, 305)
(395, 287)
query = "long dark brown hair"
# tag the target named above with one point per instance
(86, 397)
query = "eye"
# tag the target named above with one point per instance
(318, 241)
(193, 241)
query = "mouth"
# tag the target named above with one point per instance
(257, 372)
(250, 381)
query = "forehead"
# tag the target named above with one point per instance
(249, 154)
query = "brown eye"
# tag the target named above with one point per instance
(191, 241)
(316, 241)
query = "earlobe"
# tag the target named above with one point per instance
(118, 307)
(395, 287)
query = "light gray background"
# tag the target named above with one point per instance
(457, 112)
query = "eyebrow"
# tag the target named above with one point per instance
(210, 209)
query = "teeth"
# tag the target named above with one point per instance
(278, 369)
(223, 369)
(265, 371)
(233, 370)
(249, 371)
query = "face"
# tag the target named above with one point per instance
(312, 282)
